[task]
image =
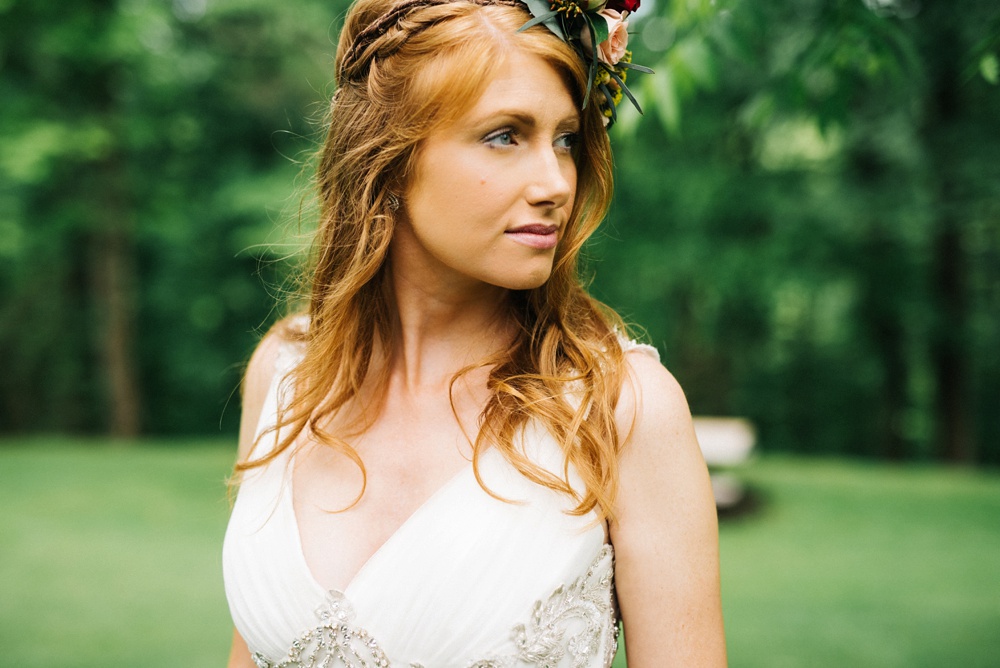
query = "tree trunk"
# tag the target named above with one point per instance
(113, 276)
(113, 280)
(942, 130)
(948, 358)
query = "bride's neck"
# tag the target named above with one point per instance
(440, 331)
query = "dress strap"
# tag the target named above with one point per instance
(628, 345)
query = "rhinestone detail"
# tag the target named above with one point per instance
(540, 643)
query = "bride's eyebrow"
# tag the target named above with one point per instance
(519, 115)
(569, 123)
(528, 120)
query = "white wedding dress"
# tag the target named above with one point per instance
(468, 581)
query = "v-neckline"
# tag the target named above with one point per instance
(288, 496)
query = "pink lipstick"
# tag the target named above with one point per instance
(542, 237)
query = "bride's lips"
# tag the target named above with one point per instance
(536, 236)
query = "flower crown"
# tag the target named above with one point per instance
(579, 23)
(584, 23)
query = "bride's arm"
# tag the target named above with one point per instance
(239, 655)
(665, 530)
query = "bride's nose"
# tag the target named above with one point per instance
(552, 179)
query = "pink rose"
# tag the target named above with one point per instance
(613, 48)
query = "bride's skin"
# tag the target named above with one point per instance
(489, 198)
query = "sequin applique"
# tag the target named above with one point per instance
(540, 643)
(336, 642)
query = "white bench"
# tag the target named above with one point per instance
(725, 443)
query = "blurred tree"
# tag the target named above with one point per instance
(140, 177)
(808, 226)
(959, 112)
(807, 216)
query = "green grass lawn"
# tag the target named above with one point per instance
(110, 557)
(855, 564)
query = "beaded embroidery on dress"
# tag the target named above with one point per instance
(540, 642)
(543, 642)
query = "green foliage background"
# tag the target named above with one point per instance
(807, 219)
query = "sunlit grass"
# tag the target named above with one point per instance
(111, 555)
(111, 558)
(853, 564)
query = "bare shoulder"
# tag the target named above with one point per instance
(651, 402)
(661, 461)
(664, 528)
(257, 380)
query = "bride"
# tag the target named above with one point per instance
(455, 458)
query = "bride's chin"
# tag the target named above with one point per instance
(528, 278)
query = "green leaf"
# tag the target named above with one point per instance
(593, 59)
(628, 93)
(538, 19)
(637, 68)
(540, 8)
(600, 28)
(611, 103)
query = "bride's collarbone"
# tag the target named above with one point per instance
(403, 465)
(340, 529)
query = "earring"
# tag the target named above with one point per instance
(393, 202)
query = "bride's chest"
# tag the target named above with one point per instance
(345, 513)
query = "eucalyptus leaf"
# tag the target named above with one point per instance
(637, 68)
(628, 93)
(538, 19)
(593, 58)
(541, 8)
(611, 103)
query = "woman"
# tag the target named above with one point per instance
(442, 460)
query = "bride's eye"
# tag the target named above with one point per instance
(501, 138)
(567, 142)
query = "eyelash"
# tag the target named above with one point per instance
(496, 134)
(572, 141)
(571, 138)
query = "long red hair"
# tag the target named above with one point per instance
(565, 366)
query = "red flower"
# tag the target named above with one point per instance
(623, 5)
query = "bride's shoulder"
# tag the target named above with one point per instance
(652, 410)
(646, 378)
(275, 354)
(282, 343)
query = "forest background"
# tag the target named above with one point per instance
(806, 222)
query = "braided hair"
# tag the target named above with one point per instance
(354, 62)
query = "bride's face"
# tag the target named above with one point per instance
(492, 192)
